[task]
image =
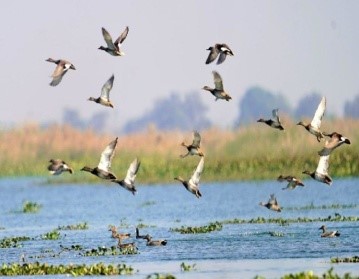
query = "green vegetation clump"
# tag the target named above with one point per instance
(187, 267)
(13, 242)
(157, 275)
(330, 206)
(310, 275)
(112, 251)
(36, 268)
(354, 259)
(53, 235)
(80, 226)
(31, 207)
(215, 226)
(276, 234)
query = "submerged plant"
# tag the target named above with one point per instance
(13, 242)
(215, 226)
(187, 267)
(53, 235)
(30, 207)
(80, 226)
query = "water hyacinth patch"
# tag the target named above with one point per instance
(80, 226)
(157, 275)
(215, 226)
(53, 235)
(13, 242)
(354, 259)
(187, 267)
(31, 207)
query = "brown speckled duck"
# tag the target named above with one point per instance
(193, 184)
(104, 98)
(115, 234)
(58, 166)
(194, 148)
(218, 49)
(293, 182)
(104, 166)
(274, 122)
(113, 48)
(314, 126)
(272, 204)
(150, 242)
(335, 141)
(321, 173)
(60, 70)
(218, 90)
(328, 233)
(129, 181)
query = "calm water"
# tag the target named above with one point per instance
(238, 251)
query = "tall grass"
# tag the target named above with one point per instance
(253, 152)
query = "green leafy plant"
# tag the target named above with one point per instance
(215, 226)
(187, 267)
(53, 235)
(13, 242)
(80, 226)
(157, 275)
(354, 259)
(31, 207)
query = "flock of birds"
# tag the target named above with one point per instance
(219, 52)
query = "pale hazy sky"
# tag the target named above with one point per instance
(288, 47)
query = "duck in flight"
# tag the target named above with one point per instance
(104, 98)
(218, 90)
(61, 69)
(113, 48)
(274, 122)
(221, 50)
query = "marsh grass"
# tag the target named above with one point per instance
(253, 152)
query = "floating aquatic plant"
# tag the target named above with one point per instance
(157, 275)
(80, 226)
(53, 235)
(324, 206)
(109, 251)
(30, 207)
(13, 242)
(310, 275)
(354, 259)
(187, 267)
(276, 234)
(215, 226)
(36, 268)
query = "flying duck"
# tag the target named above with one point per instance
(150, 242)
(321, 173)
(58, 166)
(335, 141)
(314, 126)
(293, 182)
(274, 122)
(60, 70)
(194, 148)
(218, 90)
(113, 48)
(129, 182)
(104, 166)
(104, 98)
(193, 184)
(328, 234)
(272, 204)
(218, 49)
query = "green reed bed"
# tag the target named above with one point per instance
(36, 268)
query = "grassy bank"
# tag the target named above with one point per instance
(254, 152)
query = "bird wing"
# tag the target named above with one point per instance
(122, 37)
(108, 39)
(107, 155)
(196, 139)
(197, 173)
(275, 115)
(323, 165)
(132, 171)
(272, 199)
(218, 83)
(212, 55)
(221, 58)
(106, 88)
(317, 119)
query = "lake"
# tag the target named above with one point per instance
(237, 251)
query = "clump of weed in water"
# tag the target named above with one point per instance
(215, 226)
(53, 235)
(31, 207)
(187, 267)
(80, 226)
(157, 275)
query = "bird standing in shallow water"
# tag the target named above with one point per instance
(218, 90)
(58, 166)
(60, 70)
(272, 204)
(218, 49)
(314, 126)
(193, 184)
(113, 48)
(195, 147)
(274, 122)
(293, 182)
(328, 234)
(129, 182)
(321, 173)
(104, 166)
(104, 98)
(335, 141)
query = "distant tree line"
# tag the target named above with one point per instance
(188, 112)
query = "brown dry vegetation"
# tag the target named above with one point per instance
(253, 152)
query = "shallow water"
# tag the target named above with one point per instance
(237, 251)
